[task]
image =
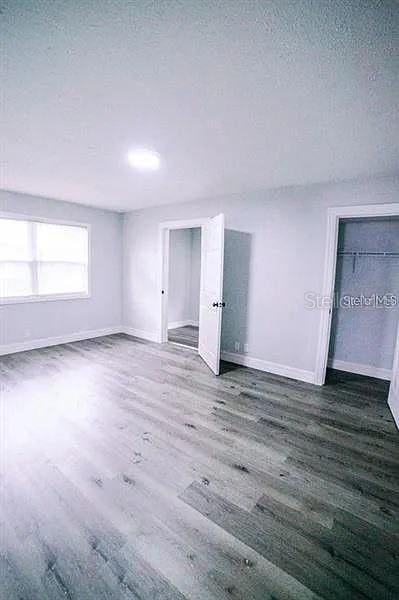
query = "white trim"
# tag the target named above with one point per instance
(268, 367)
(358, 211)
(241, 359)
(164, 283)
(394, 412)
(24, 217)
(56, 340)
(151, 336)
(359, 369)
(186, 323)
(330, 260)
(39, 298)
(184, 223)
(393, 397)
(181, 345)
(237, 358)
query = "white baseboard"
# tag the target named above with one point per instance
(141, 333)
(234, 357)
(185, 323)
(240, 359)
(54, 341)
(370, 371)
(394, 411)
(269, 367)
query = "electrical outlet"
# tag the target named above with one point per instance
(237, 346)
(26, 333)
(246, 348)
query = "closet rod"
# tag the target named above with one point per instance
(361, 253)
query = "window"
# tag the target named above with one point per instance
(42, 260)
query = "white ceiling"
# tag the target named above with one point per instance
(234, 95)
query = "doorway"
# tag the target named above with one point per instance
(184, 286)
(336, 216)
(366, 314)
(210, 289)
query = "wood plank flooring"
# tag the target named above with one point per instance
(129, 472)
(187, 335)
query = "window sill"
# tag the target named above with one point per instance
(48, 298)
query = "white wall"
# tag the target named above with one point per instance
(274, 255)
(366, 336)
(184, 276)
(25, 323)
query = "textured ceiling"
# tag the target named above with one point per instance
(234, 95)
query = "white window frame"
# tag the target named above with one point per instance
(51, 297)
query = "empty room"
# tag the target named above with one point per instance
(199, 300)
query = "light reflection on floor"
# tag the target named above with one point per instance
(34, 416)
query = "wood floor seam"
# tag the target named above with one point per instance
(128, 471)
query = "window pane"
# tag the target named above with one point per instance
(15, 279)
(14, 240)
(61, 278)
(64, 243)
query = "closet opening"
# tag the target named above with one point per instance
(365, 312)
(359, 316)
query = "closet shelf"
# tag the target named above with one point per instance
(365, 253)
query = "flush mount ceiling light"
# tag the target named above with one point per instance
(144, 160)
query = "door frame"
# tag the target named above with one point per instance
(334, 216)
(164, 246)
(394, 408)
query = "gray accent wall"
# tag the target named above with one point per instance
(24, 322)
(366, 335)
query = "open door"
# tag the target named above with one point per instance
(393, 399)
(211, 301)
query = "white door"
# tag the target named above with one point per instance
(393, 399)
(210, 319)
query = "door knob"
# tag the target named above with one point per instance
(215, 304)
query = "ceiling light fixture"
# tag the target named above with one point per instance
(144, 160)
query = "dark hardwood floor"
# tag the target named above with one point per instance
(129, 472)
(187, 335)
